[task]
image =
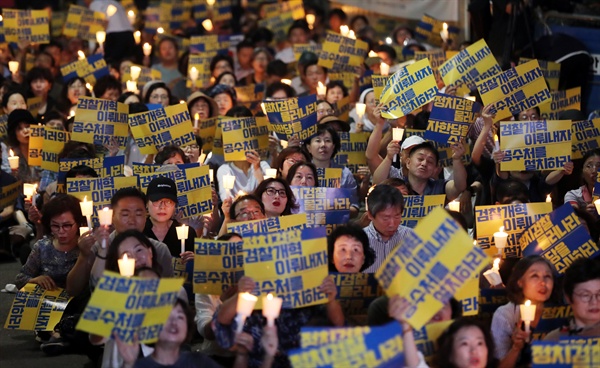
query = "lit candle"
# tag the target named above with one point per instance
(29, 190)
(100, 37)
(131, 86)
(193, 74)
(310, 19)
(444, 32)
(13, 161)
(87, 209)
(500, 239)
(271, 308)
(597, 204)
(196, 119)
(286, 81)
(105, 219)
(496, 142)
(210, 3)
(228, 181)
(548, 199)
(397, 134)
(182, 234)
(262, 107)
(493, 275)
(454, 206)
(160, 30)
(211, 174)
(527, 314)
(321, 89)
(137, 35)
(126, 266)
(80, 55)
(384, 69)
(135, 72)
(360, 109)
(71, 113)
(271, 173)
(13, 66)
(344, 30)
(207, 24)
(131, 16)
(351, 35)
(111, 10)
(88, 86)
(83, 230)
(147, 49)
(388, 40)
(245, 305)
(373, 54)
(182, 101)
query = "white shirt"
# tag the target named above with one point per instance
(243, 182)
(119, 21)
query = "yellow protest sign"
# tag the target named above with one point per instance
(573, 352)
(152, 130)
(330, 177)
(222, 11)
(379, 83)
(3, 125)
(10, 193)
(208, 129)
(471, 65)
(57, 23)
(515, 218)
(468, 296)
(436, 59)
(202, 64)
(268, 225)
(209, 44)
(127, 306)
(35, 308)
(429, 30)
(99, 190)
(451, 118)
(408, 89)
(430, 265)
(251, 95)
(293, 116)
(146, 75)
(26, 25)
(342, 108)
(34, 105)
(352, 151)
(299, 48)
(356, 291)
(290, 264)
(278, 24)
(54, 142)
(550, 69)
(346, 78)
(36, 143)
(241, 135)
(585, 137)
(90, 69)
(342, 54)
(515, 90)
(417, 207)
(535, 145)
(108, 166)
(327, 207)
(218, 265)
(99, 122)
(83, 23)
(561, 101)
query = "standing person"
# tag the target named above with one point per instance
(168, 61)
(39, 81)
(582, 198)
(119, 42)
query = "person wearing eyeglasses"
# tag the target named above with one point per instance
(157, 93)
(244, 208)
(53, 256)
(276, 196)
(582, 198)
(581, 286)
(161, 202)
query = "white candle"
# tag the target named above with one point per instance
(211, 174)
(131, 86)
(105, 216)
(137, 35)
(287, 81)
(271, 173)
(80, 55)
(126, 266)
(160, 30)
(597, 204)
(310, 19)
(83, 230)
(147, 49)
(100, 37)
(135, 72)
(444, 32)
(207, 24)
(131, 16)
(29, 190)
(397, 134)
(344, 30)
(228, 181)
(388, 40)
(360, 109)
(194, 74)
(13, 66)
(493, 276)
(496, 142)
(321, 90)
(500, 239)
(196, 119)
(87, 209)
(271, 308)
(245, 305)
(351, 35)
(384, 69)
(548, 199)
(527, 314)
(182, 234)
(13, 161)
(454, 206)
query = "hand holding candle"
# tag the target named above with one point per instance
(527, 314)
(29, 190)
(271, 308)
(360, 109)
(196, 120)
(245, 305)
(126, 266)
(105, 219)
(493, 275)
(194, 74)
(13, 66)
(135, 72)
(182, 234)
(397, 134)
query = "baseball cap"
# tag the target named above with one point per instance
(160, 188)
(410, 142)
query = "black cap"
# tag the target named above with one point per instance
(160, 188)
(19, 116)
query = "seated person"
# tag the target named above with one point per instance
(244, 208)
(348, 250)
(582, 198)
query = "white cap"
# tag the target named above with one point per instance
(410, 142)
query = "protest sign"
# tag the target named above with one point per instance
(451, 118)
(379, 82)
(218, 265)
(171, 125)
(35, 308)
(146, 75)
(578, 352)
(278, 24)
(100, 122)
(468, 297)
(90, 69)
(10, 193)
(352, 151)
(34, 105)
(290, 264)
(109, 166)
(268, 225)
(26, 25)
(251, 95)
(535, 145)
(99, 190)
(408, 89)
(222, 11)
(128, 306)
(342, 108)
(417, 207)
(428, 30)
(430, 265)
(585, 137)
(342, 54)
(36, 144)
(202, 64)
(140, 168)
(299, 48)
(515, 90)
(355, 291)
(194, 196)
(444, 150)
(490, 300)
(596, 191)
(210, 44)
(3, 125)
(329, 177)
(293, 116)
(83, 23)
(241, 135)
(346, 78)
(515, 218)
(436, 59)
(561, 101)
(154, 20)
(550, 69)
(560, 237)
(471, 65)
(54, 142)
(208, 129)
(553, 316)
(327, 207)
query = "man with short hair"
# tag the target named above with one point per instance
(244, 208)
(384, 208)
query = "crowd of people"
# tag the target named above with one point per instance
(43, 230)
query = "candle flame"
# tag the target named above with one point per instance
(262, 106)
(105, 209)
(528, 303)
(197, 116)
(475, 242)
(270, 296)
(445, 26)
(85, 198)
(81, 55)
(125, 256)
(111, 10)
(310, 19)
(501, 229)
(12, 154)
(286, 81)
(548, 198)
(496, 262)
(320, 84)
(373, 54)
(132, 14)
(495, 137)
(160, 30)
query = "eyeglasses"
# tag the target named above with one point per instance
(272, 191)
(159, 97)
(76, 85)
(192, 147)
(592, 166)
(325, 111)
(587, 297)
(248, 215)
(163, 203)
(56, 227)
(292, 160)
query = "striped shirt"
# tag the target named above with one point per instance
(381, 247)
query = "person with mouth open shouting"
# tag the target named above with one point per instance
(348, 249)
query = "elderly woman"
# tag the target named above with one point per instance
(303, 174)
(349, 250)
